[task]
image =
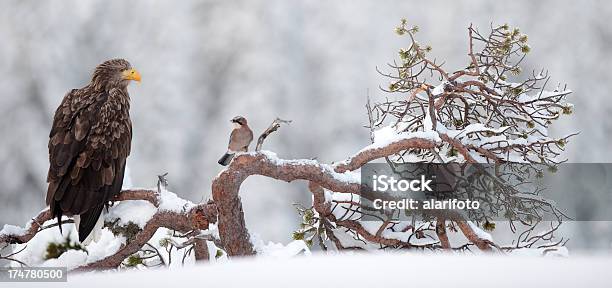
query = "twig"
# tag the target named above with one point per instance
(273, 127)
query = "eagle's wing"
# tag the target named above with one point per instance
(88, 145)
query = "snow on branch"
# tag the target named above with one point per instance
(393, 146)
(169, 213)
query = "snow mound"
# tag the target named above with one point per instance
(371, 270)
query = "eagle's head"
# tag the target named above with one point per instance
(114, 73)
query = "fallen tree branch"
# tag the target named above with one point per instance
(35, 225)
(194, 219)
(197, 218)
(165, 219)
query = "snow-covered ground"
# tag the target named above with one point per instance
(366, 270)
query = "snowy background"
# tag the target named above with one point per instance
(313, 62)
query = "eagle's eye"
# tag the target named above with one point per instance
(130, 74)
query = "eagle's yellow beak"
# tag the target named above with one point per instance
(131, 74)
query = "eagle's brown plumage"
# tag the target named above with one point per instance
(89, 143)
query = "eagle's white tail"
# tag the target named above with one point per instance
(96, 232)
